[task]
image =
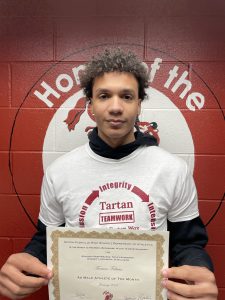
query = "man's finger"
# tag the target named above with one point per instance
(29, 264)
(174, 296)
(184, 290)
(13, 291)
(189, 273)
(23, 280)
(6, 293)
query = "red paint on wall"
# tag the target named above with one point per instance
(189, 34)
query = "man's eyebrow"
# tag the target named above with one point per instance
(128, 91)
(102, 90)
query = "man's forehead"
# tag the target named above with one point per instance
(123, 79)
(115, 73)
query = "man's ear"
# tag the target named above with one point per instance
(90, 105)
(139, 106)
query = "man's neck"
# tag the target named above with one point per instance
(101, 148)
(117, 142)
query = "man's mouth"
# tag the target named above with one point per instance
(115, 122)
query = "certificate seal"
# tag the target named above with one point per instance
(107, 295)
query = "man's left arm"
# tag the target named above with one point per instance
(191, 276)
(187, 242)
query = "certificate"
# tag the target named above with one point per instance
(106, 264)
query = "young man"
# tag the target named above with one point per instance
(121, 163)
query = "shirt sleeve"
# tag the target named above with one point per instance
(185, 203)
(187, 242)
(37, 245)
(51, 212)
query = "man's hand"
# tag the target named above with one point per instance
(199, 283)
(16, 280)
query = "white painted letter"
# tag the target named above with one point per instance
(197, 98)
(76, 71)
(181, 81)
(173, 74)
(154, 67)
(62, 88)
(47, 93)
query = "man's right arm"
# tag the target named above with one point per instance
(37, 245)
(25, 273)
(22, 275)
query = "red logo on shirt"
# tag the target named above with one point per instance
(112, 211)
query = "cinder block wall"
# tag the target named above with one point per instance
(36, 35)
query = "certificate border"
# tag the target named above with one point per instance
(56, 234)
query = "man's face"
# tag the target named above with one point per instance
(115, 106)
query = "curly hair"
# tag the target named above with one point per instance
(114, 60)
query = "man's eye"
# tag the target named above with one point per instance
(128, 97)
(103, 96)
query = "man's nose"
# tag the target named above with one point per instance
(116, 105)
